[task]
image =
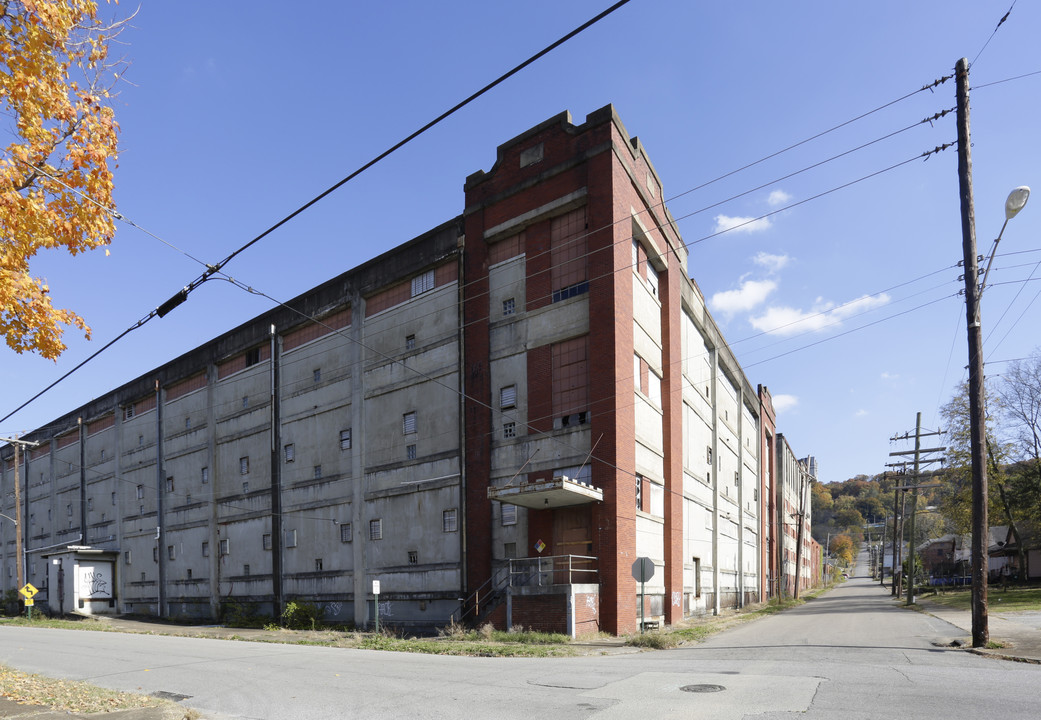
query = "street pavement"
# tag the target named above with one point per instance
(739, 658)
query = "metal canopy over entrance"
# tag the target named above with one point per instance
(559, 492)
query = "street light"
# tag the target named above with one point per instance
(1015, 202)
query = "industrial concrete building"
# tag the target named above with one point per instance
(494, 420)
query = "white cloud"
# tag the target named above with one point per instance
(889, 376)
(784, 402)
(860, 413)
(741, 224)
(778, 197)
(751, 294)
(773, 263)
(823, 315)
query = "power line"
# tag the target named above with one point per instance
(1000, 23)
(182, 295)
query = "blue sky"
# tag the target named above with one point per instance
(845, 306)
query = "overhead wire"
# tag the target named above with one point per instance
(212, 270)
(182, 295)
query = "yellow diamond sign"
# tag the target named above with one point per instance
(29, 591)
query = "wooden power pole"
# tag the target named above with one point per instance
(977, 430)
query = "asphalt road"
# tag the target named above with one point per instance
(850, 654)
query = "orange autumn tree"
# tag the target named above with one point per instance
(58, 144)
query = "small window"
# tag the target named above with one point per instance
(205, 549)
(102, 455)
(410, 342)
(509, 430)
(169, 484)
(346, 534)
(708, 454)
(245, 486)
(90, 504)
(376, 529)
(225, 546)
(317, 472)
(509, 306)
(244, 465)
(170, 552)
(126, 557)
(408, 423)
(252, 357)
(205, 475)
(155, 554)
(290, 452)
(410, 452)
(69, 508)
(652, 279)
(345, 439)
(140, 491)
(654, 388)
(187, 423)
(413, 557)
(639, 492)
(188, 499)
(508, 397)
(291, 538)
(245, 401)
(140, 440)
(317, 375)
(102, 517)
(317, 564)
(189, 573)
(113, 499)
(423, 283)
(128, 411)
(266, 540)
(449, 520)
(657, 500)
(509, 514)
(142, 577)
(509, 550)
(245, 569)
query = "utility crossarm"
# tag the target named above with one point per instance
(912, 452)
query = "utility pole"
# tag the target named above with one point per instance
(19, 523)
(19, 547)
(980, 522)
(914, 487)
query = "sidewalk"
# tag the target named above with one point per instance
(11, 709)
(1022, 640)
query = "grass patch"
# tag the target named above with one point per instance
(71, 696)
(998, 600)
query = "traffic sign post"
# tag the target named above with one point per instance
(643, 570)
(28, 592)
(376, 603)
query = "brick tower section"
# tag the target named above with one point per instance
(548, 170)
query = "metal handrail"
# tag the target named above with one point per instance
(528, 572)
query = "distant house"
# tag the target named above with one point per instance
(1008, 551)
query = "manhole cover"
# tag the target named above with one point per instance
(702, 688)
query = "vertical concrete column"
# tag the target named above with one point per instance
(356, 362)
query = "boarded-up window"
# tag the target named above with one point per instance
(568, 247)
(506, 249)
(570, 376)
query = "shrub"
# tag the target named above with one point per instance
(302, 615)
